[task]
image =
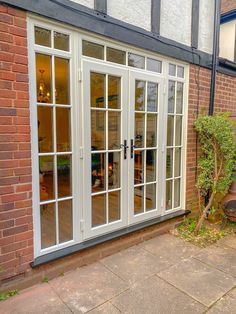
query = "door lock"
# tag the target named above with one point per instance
(125, 148)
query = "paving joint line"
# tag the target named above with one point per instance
(67, 306)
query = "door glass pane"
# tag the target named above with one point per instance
(114, 206)
(46, 178)
(136, 61)
(171, 97)
(150, 197)
(64, 175)
(42, 36)
(168, 194)
(63, 129)
(138, 166)
(92, 50)
(169, 163)
(115, 55)
(138, 200)
(114, 92)
(45, 132)
(113, 170)
(151, 140)
(177, 162)
(65, 221)
(61, 41)
(98, 172)
(154, 65)
(152, 97)
(178, 130)
(180, 71)
(98, 130)
(139, 129)
(114, 130)
(172, 69)
(62, 81)
(48, 225)
(170, 130)
(150, 165)
(179, 98)
(97, 90)
(176, 193)
(44, 80)
(98, 210)
(139, 95)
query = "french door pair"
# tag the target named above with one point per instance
(123, 134)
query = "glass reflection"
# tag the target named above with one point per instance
(113, 170)
(150, 197)
(92, 50)
(62, 81)
(114, 92)
(114, 130)
(46, 178)
(65, 221)
(172, 69)
(179, 98)
(139, 95)
(168, 194)
(170, 130)
(177, 193)
(98, 172)
(48, 225)
(152, 97)
(151, 140)
(177, 162)
(138, 166)
(169, 162)
(136, 61)
(61, 41)
(43, 77)
(97, 90)
(114, 206)
(116, 56)
(139, 129)
(178, 130)
(138, 200)
(63, 129)
(45, 133)
(42, 36)
(180, 71)
(98, 210)
(150, 165)
(98, 130)
(64, 175)
(154, 65)
(171, 97)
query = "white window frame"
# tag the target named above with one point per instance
(76, 37)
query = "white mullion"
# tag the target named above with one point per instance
(145, 145)
(106, 153)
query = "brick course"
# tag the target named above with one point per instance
(227, 6)
(15, 150)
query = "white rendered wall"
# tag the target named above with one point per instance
(176, 17)
(227, 40)
(87, 3)
(206, 25)
(136, 12)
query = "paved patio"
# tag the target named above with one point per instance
(162, 275)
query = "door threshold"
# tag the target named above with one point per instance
(106, 237)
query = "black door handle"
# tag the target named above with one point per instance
(132, 148)
(125, 148)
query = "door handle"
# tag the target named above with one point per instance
(125, 148)
(132, 146)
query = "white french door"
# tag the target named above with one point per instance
(146, 138)
(105, 104)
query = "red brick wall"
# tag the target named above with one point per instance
(16, 235)
(199, 94)
(227, 5)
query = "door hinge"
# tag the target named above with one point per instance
(163, 148)
(82, 225)
(80, 75)
(164, 89)
(162, 202)
(81, 152)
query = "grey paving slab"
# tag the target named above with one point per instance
(223, 258)
(106, 308)
(38, 299)
(226, 305)
(88, 287)
(170, 249)
(204, 283)
(228, 241)
(153, 296)
(134, 264)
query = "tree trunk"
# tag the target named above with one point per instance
(203, 215)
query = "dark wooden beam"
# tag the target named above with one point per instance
(195, 23)
(156, 16)
(100, 5)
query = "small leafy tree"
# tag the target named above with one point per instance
(216, 163)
